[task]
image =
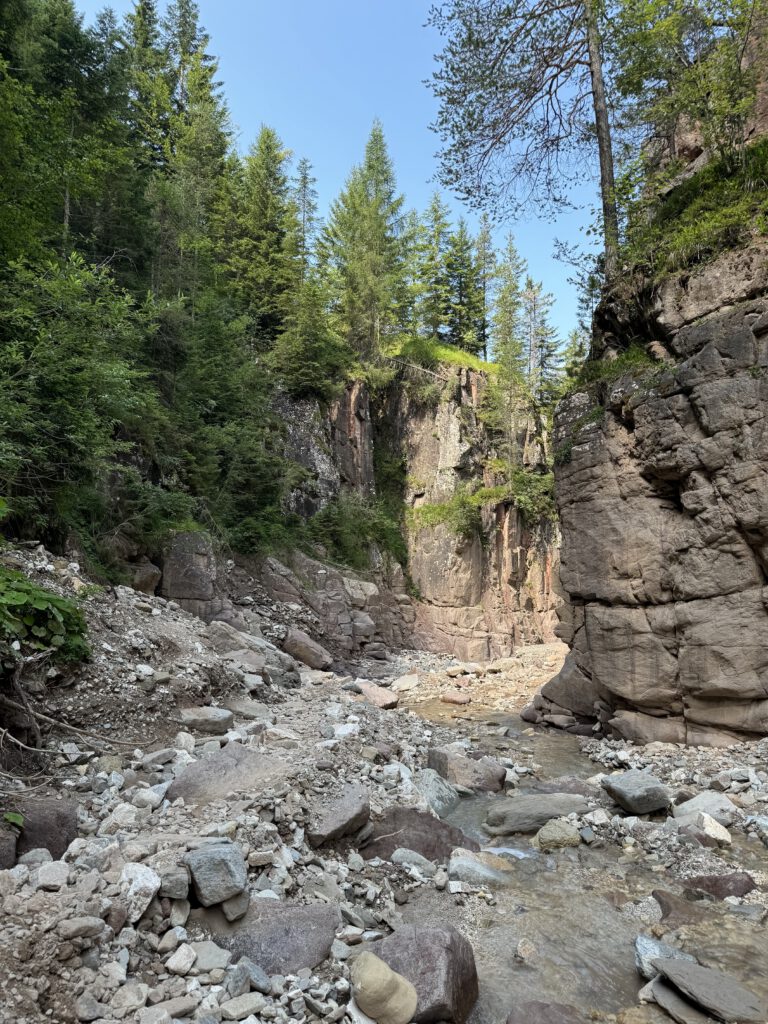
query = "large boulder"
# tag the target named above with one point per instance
(190, 578)
(278, 938)
(414, 830)
(637, 792)
(233, 769)
(716, 805)
(381, 993)
(218, 872)
(438, 793)
(529, 812)
(483, 774)
(215, 721)
(49, 824)
(439, 962)
(306, 650)
(341, 815)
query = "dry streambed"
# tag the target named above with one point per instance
(313, 853)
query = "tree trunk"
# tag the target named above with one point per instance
(605, 149)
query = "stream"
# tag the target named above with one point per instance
(581, 909)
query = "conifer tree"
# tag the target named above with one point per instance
(263, 265)
(362, 253)
(541, 342)
(304, 195)
(485, 257)
(464, 293)
(431, 272)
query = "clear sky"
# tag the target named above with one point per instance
(320, 71)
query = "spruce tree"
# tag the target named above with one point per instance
(263, 265)
(304, 195)
(485, 258)
(431, 270)
(362, 253)
(464, 293)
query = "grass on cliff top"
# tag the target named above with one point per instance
(712, 211)
(430, 354)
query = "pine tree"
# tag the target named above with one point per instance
(150, 87)
(464, 293)
(362, 255)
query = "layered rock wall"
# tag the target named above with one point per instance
(481, 594)
(662, 488)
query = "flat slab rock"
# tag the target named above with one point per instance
(637, 792)
(528, 813)
(736, 883)
(278, 938)
(676, 1005)
(718, 993)
(342, 815)
(233, 769)
(484, 774)
(716, 805)
(406, 827)
(215, 721)
(440, 964)
(379, 696)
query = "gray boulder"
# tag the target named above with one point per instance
(233, 769)
(215, 721)
(343, 815)
(528, 813)
(277, 938)
(439, 794)
(716, 805)
(440, 964)
(485, 774)
(676, 1005)
(637, 792)
(414, 830)
(302, 647)
(218, 872)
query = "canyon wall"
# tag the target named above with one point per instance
(662, 488)
(481, 594)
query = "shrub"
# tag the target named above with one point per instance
(33, 619)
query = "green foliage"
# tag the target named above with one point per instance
(351, 525)
(634, 361)
(14, 818)
(34, 619)
(714, 210)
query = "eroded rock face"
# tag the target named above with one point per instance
(481, 595)
(663, 500)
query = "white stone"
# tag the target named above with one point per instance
(707, 824)
(140, 884)
(182, 960)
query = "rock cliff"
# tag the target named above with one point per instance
(484, 592)
(662, 487)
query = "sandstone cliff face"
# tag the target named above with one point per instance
(663, 499)
(479, 595)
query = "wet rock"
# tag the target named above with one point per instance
(215, 721)
(546, 1013)
(343, 815)
(483, 869)
(438, 793)
(381, 993)
(716, 992)
(279, 939)
(676, 912)
(637, 792)
(737, 883)
(485, 774)
(306, 650)
(556, 835)
(218, 872)
(678, 1008)
(440, 964)
(647, 950)
(234, 769)
(427, 835)
(379, 696)
(716, 805)
(528, 813)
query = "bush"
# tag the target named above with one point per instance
(349, 526)
(33, 619)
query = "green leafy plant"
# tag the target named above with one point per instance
(33, 619)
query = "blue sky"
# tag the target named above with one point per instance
(320, 71)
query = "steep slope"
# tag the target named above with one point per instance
(662, 488)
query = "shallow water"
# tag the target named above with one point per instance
(582, 908)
